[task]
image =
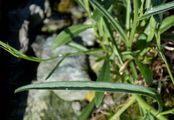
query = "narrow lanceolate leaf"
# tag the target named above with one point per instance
(167, 23)
(19, 54)
(103, 76)
(109, 17)
(87, 111)
(146, 72)
(66, 35)
(77, 46)
(53, 70)
(150, 29)
(89, 85)
(158, 9)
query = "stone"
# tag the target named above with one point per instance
(45, 105)
(56, 104)
(72, 68)
(88, 36)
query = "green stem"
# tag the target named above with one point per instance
(158, 41)
(115, 47)
(148, 4)
(131, 37)
(149, 108)
(128, 11)
(134, 71)
(123, 108)
(167, 66)
(134, 25)
(167, 112)
(86, 5)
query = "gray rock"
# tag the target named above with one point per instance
(72, 68)
(76, 106)
(56, 104)
(88, 36)
(45, 105)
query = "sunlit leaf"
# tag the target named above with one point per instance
(96, 86)
(158, 9)
(67, 34)
(114, 22)
(77, 46)
(167, 23)
(19, 54)
(150, 29)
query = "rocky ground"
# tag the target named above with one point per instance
(36, 25)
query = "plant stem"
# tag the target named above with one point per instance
(128, 11)
(148, 4)
(123, 108)
(133, 69)
(131, 37)
(167, 112)
(149, 108)
(134, 25)
(158, 41)
(167, 66)
(86, 5)
(115, 47)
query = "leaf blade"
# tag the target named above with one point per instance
(166, 24)
(158, 9)
(86, 111)
(113, 21)
(103, 76)
(68, 33)
(146, 72)
(150, 29)
(96, 86)
(89, 85)
(19, 54)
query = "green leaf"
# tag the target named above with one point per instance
(114, 22)
(150, 29)
(66, 35)
(167, 23)
(94, 52)
(86, 111)
(77, 46)
(19, 54)
(158, 9)
(96, 86)
(53, 70)
(146, 72)
(103, 76)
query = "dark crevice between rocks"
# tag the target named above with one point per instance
(12, 76)
(14, 72)
(91, 73)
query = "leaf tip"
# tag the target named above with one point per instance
(20, 89)
(16, 91)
